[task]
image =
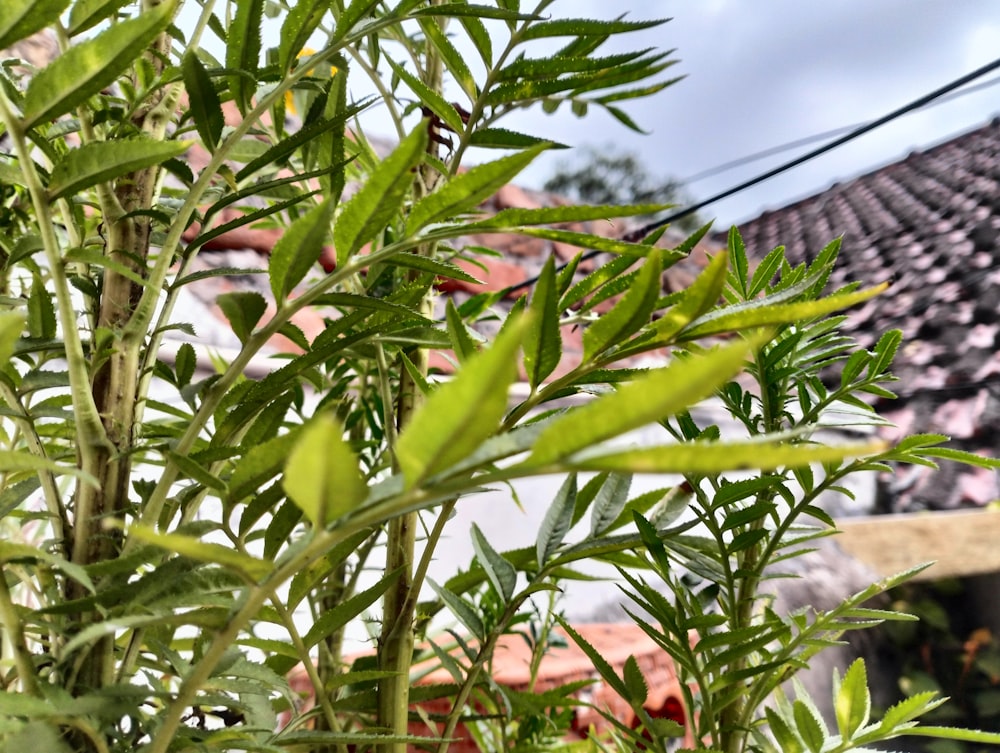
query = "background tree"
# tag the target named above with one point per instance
(607, 175)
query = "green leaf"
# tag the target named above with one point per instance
(500, 572)
(722, 320)
(717, 457)
(11, 551)
(243, 309)
(436, 267)
(581, 27)
(605, 670)
(809, 726)
(788, 741)
(41, 311)
(102, 161)
(322, 475)
(609, 503)
(502, 138)
(259, 464)
(203, 551)
(701, 296)
(334, 619)
(650, 398)
(852, 702)
(185, 364)
(461, 342)
(467, 190)
(91, 255)
(507, 220)
(299, 249)
(429, 98)
(304, 136)
(629, 314)
(462, 610)
(86, 14)
(84, 69)
(542, 341)
(635, 682)
(301, 21)
(203, 100)
(22, 18)
(16, 460)
(194, 470)
(452, 58)
(461, 413)
(557, 522)
(368, 212)
(243, 51)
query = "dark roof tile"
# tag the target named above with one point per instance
(931, 224)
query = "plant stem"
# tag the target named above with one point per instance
(399, 606)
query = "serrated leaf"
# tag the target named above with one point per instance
(500, 572)
(322, 475)
(185, 363)
(334, 619)
(467, 190)
(305, 136)
(368, 212)
(502, 138)
(462, 413)
(22, 18)
(853, 703)
(244, 310)
(557, 521)
(102, 161)
(259, 464)
(298, 249)
(788, 741)
(302, 19)
(629, 314)
(609, 503)
(203, 101)
(194, 470)
(84, 69)
(86, 14)
(605, 670)
(461, 609)
(12, 551)
(783, 313)
(243, 51)
(809, 727)
(635, 682)
(648, 399)
(695, 301)
(203, 551)
(429, 98)
(452, 58)
(542, 341)
(716, 457)
(14, 460)
(41, 311)
(461, 342)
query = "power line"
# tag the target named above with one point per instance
(635, 236)
(771, 151)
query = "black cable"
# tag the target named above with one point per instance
(771, 151)
(636, 235)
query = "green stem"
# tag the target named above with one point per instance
(12, 624)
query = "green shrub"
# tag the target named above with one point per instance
(148, 544)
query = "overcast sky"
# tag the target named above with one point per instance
(763, 73)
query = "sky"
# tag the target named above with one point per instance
(765, 73)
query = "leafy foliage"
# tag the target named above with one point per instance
(178, 534)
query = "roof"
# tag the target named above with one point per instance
(929, 224)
